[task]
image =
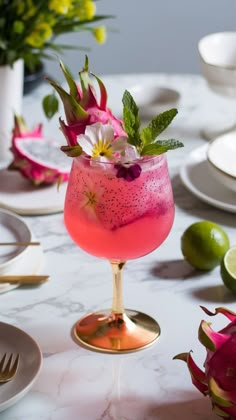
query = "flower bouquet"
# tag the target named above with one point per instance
(29, 29)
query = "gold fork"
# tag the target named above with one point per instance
(8, 369)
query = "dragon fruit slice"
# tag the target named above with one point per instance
(218, 381)
(37, 158)
(82, 107)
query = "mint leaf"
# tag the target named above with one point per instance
(131, 119)
(157, 125)
(161, 146)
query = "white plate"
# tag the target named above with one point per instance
(14, 340)
(19, 195)
(17, 259)
(152, 99)
(12, 229)
(196, 176)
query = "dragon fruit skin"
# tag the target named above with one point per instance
(36, 172)
(81, 106)
(219, 379)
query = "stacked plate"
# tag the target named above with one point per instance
(15, 259)
(196, 175)
(14, 340)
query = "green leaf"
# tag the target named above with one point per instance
(157, 125)
(74, 112)
(71, 83)
(72, 151)
(131, 119)
(50, 105)
(161, 146)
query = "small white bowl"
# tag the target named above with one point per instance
(221, 155)
(218, 62)
(152, 99)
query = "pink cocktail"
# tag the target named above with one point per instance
(119, 203)
(113, 218)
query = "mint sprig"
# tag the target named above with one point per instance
(131, 119)
(157, 125)
(160, 146)
(146, 139)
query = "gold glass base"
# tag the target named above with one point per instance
(110, 332)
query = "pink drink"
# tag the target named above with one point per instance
(119, 220)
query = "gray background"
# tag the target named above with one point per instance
(149, 36)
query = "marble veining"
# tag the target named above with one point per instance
(77, 384)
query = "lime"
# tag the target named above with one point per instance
(228, 269)
(204, 244)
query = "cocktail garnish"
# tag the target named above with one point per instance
(128, 171)
(93, 130)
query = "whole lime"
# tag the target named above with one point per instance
(204, 244)
(228, 269)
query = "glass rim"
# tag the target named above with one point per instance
(143, 160)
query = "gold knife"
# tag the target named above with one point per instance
(24, 279)
(19, 243)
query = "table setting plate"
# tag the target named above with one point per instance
(17, 259)
(14, 340)
(197, 178)
(17, 194)
(153, 99)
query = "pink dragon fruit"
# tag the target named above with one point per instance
(219, 379)
(37, 158)
(82, 108)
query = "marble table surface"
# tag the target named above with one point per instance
(78, 384)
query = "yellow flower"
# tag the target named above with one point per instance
(100, 34)
(85, 11)
(61, 7)
(41, 33)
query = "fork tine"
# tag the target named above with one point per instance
(2, 361)
(15, 365)
(8, 365)
(8, 372)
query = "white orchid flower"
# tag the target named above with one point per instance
(99, 143)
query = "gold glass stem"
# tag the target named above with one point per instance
(117, 271)
(117, 330)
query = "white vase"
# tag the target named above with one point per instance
(11, 94)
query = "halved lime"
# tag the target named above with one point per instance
(228, 269)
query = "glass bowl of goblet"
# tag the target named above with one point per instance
(118, 218)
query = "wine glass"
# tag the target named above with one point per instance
(218, 65)
(118, 219)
